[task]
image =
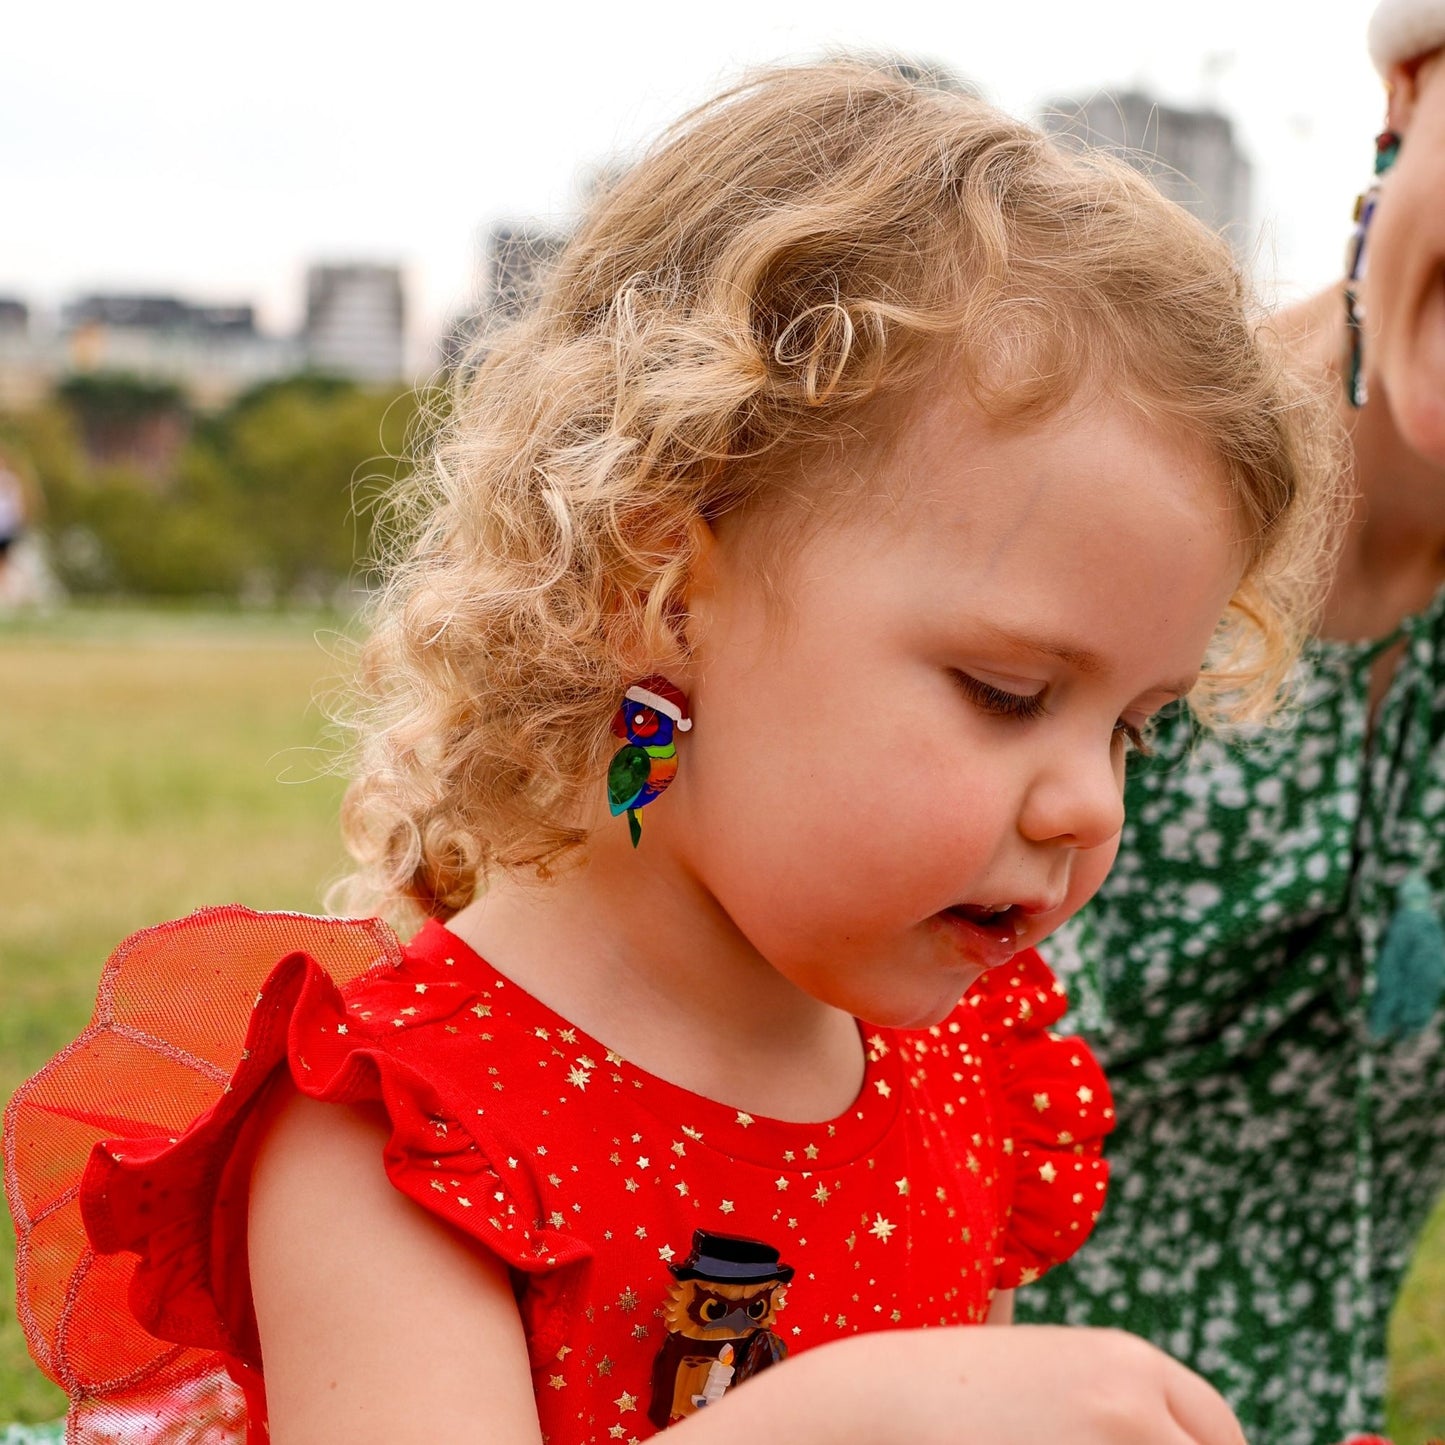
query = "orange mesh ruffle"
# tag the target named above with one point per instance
(167, 1033)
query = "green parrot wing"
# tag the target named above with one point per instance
(626, 775)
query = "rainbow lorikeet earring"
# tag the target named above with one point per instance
(653, 712)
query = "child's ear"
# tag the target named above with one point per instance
(701, 579)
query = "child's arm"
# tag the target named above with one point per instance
(380, 1326)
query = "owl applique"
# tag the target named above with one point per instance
(719, 1316)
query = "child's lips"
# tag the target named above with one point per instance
(987, 936)
(992, 935)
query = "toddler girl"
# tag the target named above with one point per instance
(780, 600)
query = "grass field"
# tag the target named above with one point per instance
(150, 764)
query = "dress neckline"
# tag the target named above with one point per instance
(789, 1145)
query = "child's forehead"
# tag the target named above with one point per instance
(940, 445)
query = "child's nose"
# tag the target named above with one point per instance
(1076, 798)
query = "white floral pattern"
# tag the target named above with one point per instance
(1272, 1164)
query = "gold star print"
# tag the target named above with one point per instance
(1041, 1102)
(641, 1231)
(882, 1228)
(878, 1044)
(421, 988)
(1086, 1095)
(613, 1057)
(694, 1134)
(781, 1181)
(679, 1148)
(578, 1077)
(568, 1036)
(625, 1402)
(482, 1010)
(556, 1220)
(627, 1300)
(666, 1253)
(630, 1185)
(744, 1119)
(788, 1156)
(1047, 1172)
(901, 1185)
(541, 1034)
(617, 1432)
(821, 1194)
(682, 1188)
(642, 1162)
(811, 1150)
(557, 1382)
(882, 1086)
(726, 1206)
(639, 1332)
(604, 1366)
(341, 1028)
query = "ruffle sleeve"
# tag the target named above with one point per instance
(128, 1157)
(1054, 1110)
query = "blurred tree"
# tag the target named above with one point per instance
(305, 460)
(270, 500)
(129, 421)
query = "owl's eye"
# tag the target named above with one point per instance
(712, 1311)
(638, 721)
(758, 1307)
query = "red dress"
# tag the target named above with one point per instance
(666, 1246)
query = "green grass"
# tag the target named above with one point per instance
(151, 763)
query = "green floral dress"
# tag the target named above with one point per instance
(1278, 1147)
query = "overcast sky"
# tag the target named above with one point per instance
(212, 150)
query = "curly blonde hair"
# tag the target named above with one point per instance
(810, 243)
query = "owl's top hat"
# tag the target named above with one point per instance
(731, 1258)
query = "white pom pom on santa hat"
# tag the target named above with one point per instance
(1400, 30)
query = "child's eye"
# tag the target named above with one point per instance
(1133, 735)
(998, 701)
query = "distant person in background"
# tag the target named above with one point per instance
(12, 509)
(1263, 969)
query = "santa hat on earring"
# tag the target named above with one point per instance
(660, 695)
(1401, 30)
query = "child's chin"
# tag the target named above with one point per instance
(922, 1012)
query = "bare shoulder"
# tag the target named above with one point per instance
(1312, 331)
(377, 1321)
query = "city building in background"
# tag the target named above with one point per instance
(355, 322)
(513, 260)
(1190, 154)
(211, 352)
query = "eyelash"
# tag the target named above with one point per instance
(1027, 706)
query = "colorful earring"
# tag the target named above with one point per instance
(1387, 148)
(652, 712)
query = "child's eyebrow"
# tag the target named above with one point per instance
(1079, 658)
